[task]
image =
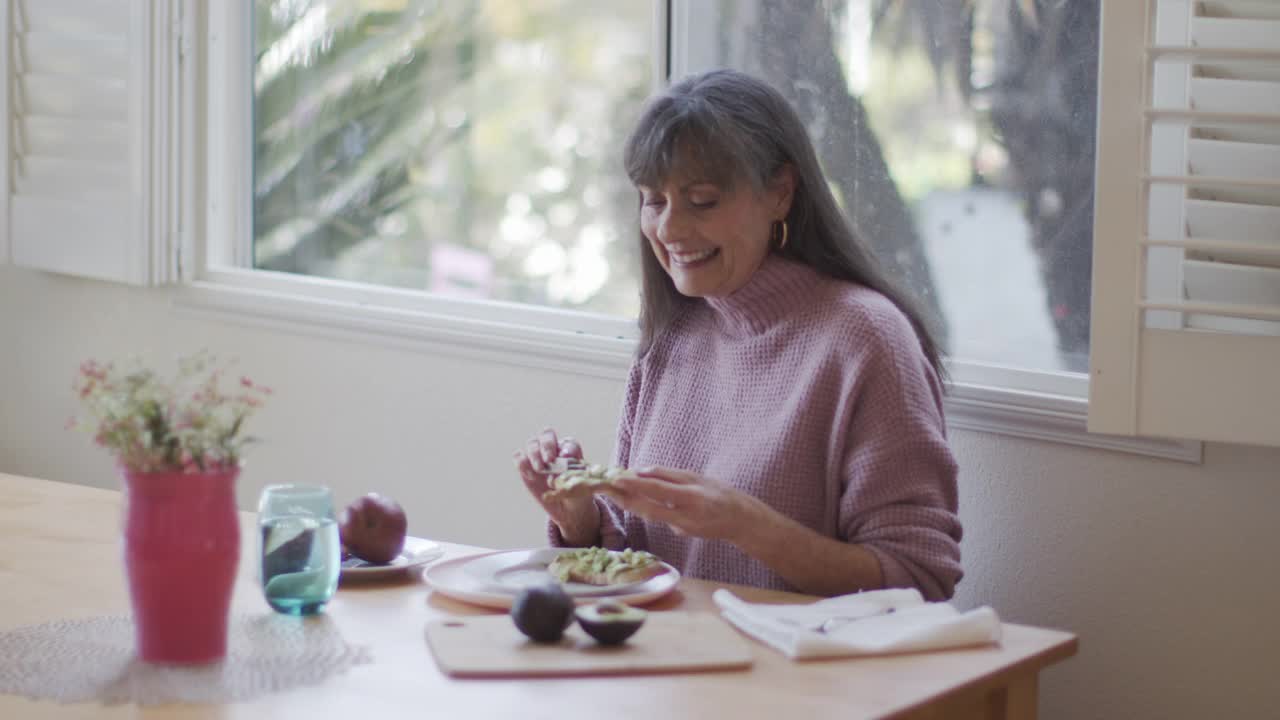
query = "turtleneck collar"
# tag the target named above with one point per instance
(777, 289)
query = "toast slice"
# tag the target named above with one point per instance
(598, 566)
(583, 483)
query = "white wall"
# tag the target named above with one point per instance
(1166, 570)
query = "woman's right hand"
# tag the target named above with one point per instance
(578, 518)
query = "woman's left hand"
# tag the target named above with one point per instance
(691, 504)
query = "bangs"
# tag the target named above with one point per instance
(679, 138)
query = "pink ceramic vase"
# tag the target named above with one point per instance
(181, 551)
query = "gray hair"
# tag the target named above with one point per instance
(728, 127)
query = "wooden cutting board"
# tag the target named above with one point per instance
(491, 646)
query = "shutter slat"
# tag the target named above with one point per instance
(1225, 283)
(1225, 189)
(1220, 158)
(1256, 68)
(1255, 9)
(101, 56)
(1254, 229)
(1247, 223)
(73, 97)
(1210, 246)
(94, 141)
(1235, 96)
(1227, 251)
(1236, 33)
(55, 177)
(1262, 133)
(1250, 297)
(1234, 325)
(1226, 309)
(74, 17)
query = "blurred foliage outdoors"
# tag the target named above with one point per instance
(466, 148)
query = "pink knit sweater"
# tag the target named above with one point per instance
(814, 396)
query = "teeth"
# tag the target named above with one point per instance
(690, 258)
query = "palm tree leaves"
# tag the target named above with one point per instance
(386, 129)
(345, 134)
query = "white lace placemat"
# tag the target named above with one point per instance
(93, 659)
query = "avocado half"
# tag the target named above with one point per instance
(543, 612)
(609, 622)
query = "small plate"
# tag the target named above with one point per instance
(416, 553)
(494, 579)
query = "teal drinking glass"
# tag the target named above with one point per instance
(300, 549)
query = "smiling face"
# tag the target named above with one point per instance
(709, 238)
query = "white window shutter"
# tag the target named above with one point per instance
(1186, 295)
(90, 137)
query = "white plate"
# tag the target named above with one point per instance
(416, 553)
(494, 579)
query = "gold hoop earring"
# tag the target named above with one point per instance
(782, 242)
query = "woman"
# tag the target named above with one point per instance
(784, 408)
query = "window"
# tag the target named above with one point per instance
(471, 149)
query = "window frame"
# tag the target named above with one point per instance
(984, 397)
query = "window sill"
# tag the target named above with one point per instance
(1055, 418)
(581, 344)
(517, 335)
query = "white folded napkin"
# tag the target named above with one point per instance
(878, 622)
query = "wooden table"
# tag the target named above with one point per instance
(61, 559)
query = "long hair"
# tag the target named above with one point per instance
(730, 127)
